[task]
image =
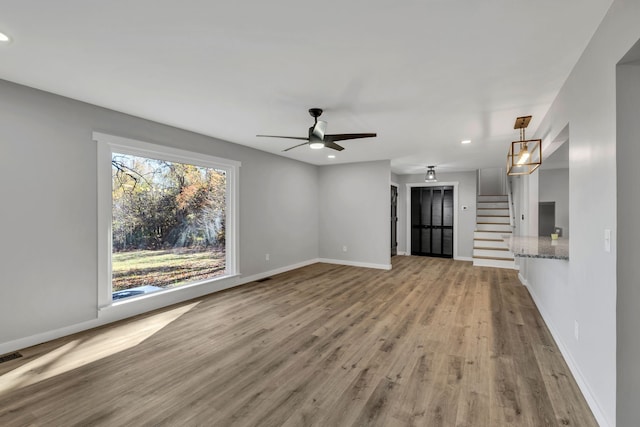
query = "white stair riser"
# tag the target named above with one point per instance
(490, 235)
(492, 222)
(495, 253)
(495, 219)
(494, 263)
(492, 205)
(489, 244)
(493, 227)
(504, 211)
(493, 198)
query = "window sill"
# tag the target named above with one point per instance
(151, 301)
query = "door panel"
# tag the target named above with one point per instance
(436, 208)
(436, 236)
(448, 208)
(426, 211)
(426, 239)
(432, 221)
(447, 241)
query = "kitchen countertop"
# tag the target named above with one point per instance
(538, 247)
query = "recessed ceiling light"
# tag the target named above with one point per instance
(331, 156)
(4, 37)
(466, 141)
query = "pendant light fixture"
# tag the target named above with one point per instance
(431, 174)
(525, 156)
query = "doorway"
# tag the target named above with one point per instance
(394, 220)
(432, 221)
(546, 218)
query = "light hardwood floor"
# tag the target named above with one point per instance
(432, 342)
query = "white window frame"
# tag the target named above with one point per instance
(109, 144)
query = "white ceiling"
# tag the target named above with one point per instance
(423, 74)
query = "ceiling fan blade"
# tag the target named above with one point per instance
(301, 138)
(319, 129)
(333, 145)
(343, 136)
(296, 146)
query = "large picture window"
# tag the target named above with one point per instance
(169, 218)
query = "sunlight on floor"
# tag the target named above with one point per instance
(83, 351)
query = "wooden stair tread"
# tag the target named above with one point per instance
(494, 258)
(490, 248)
(494, 223)
(489, 240)
(493, 231)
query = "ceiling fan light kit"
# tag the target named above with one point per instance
(525, 155)
(318, 139)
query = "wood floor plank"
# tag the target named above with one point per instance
(433, 342)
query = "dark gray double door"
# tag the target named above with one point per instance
(432, 221)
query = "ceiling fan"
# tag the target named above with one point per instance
(318, 139)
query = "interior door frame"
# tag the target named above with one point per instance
(393, 184)
(456, 233)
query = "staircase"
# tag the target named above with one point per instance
(492, 222)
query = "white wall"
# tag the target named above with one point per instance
(48, 256)
(354, 212)
(628, 267)
(525, 200)
(553, 186)
(516, 195)
(492, 181)
(466, 218)
(587, 101)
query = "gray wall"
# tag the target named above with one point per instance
(628, 267)
(466, 218)
(553, 186)
(587, 102)
(492, 181)
(48, 258)
(354, 212)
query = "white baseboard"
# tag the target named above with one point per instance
(525, 283)
(463, 258)
(402, 253)
(20, 343)
(243, 280)
(356, 263)
(120, 311)
(571, 363)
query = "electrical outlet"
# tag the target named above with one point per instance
(576, 330)
(607, 240)
(344, 248)
(266, 257)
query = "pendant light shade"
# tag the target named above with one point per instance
(431, 174)
(525, 156)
